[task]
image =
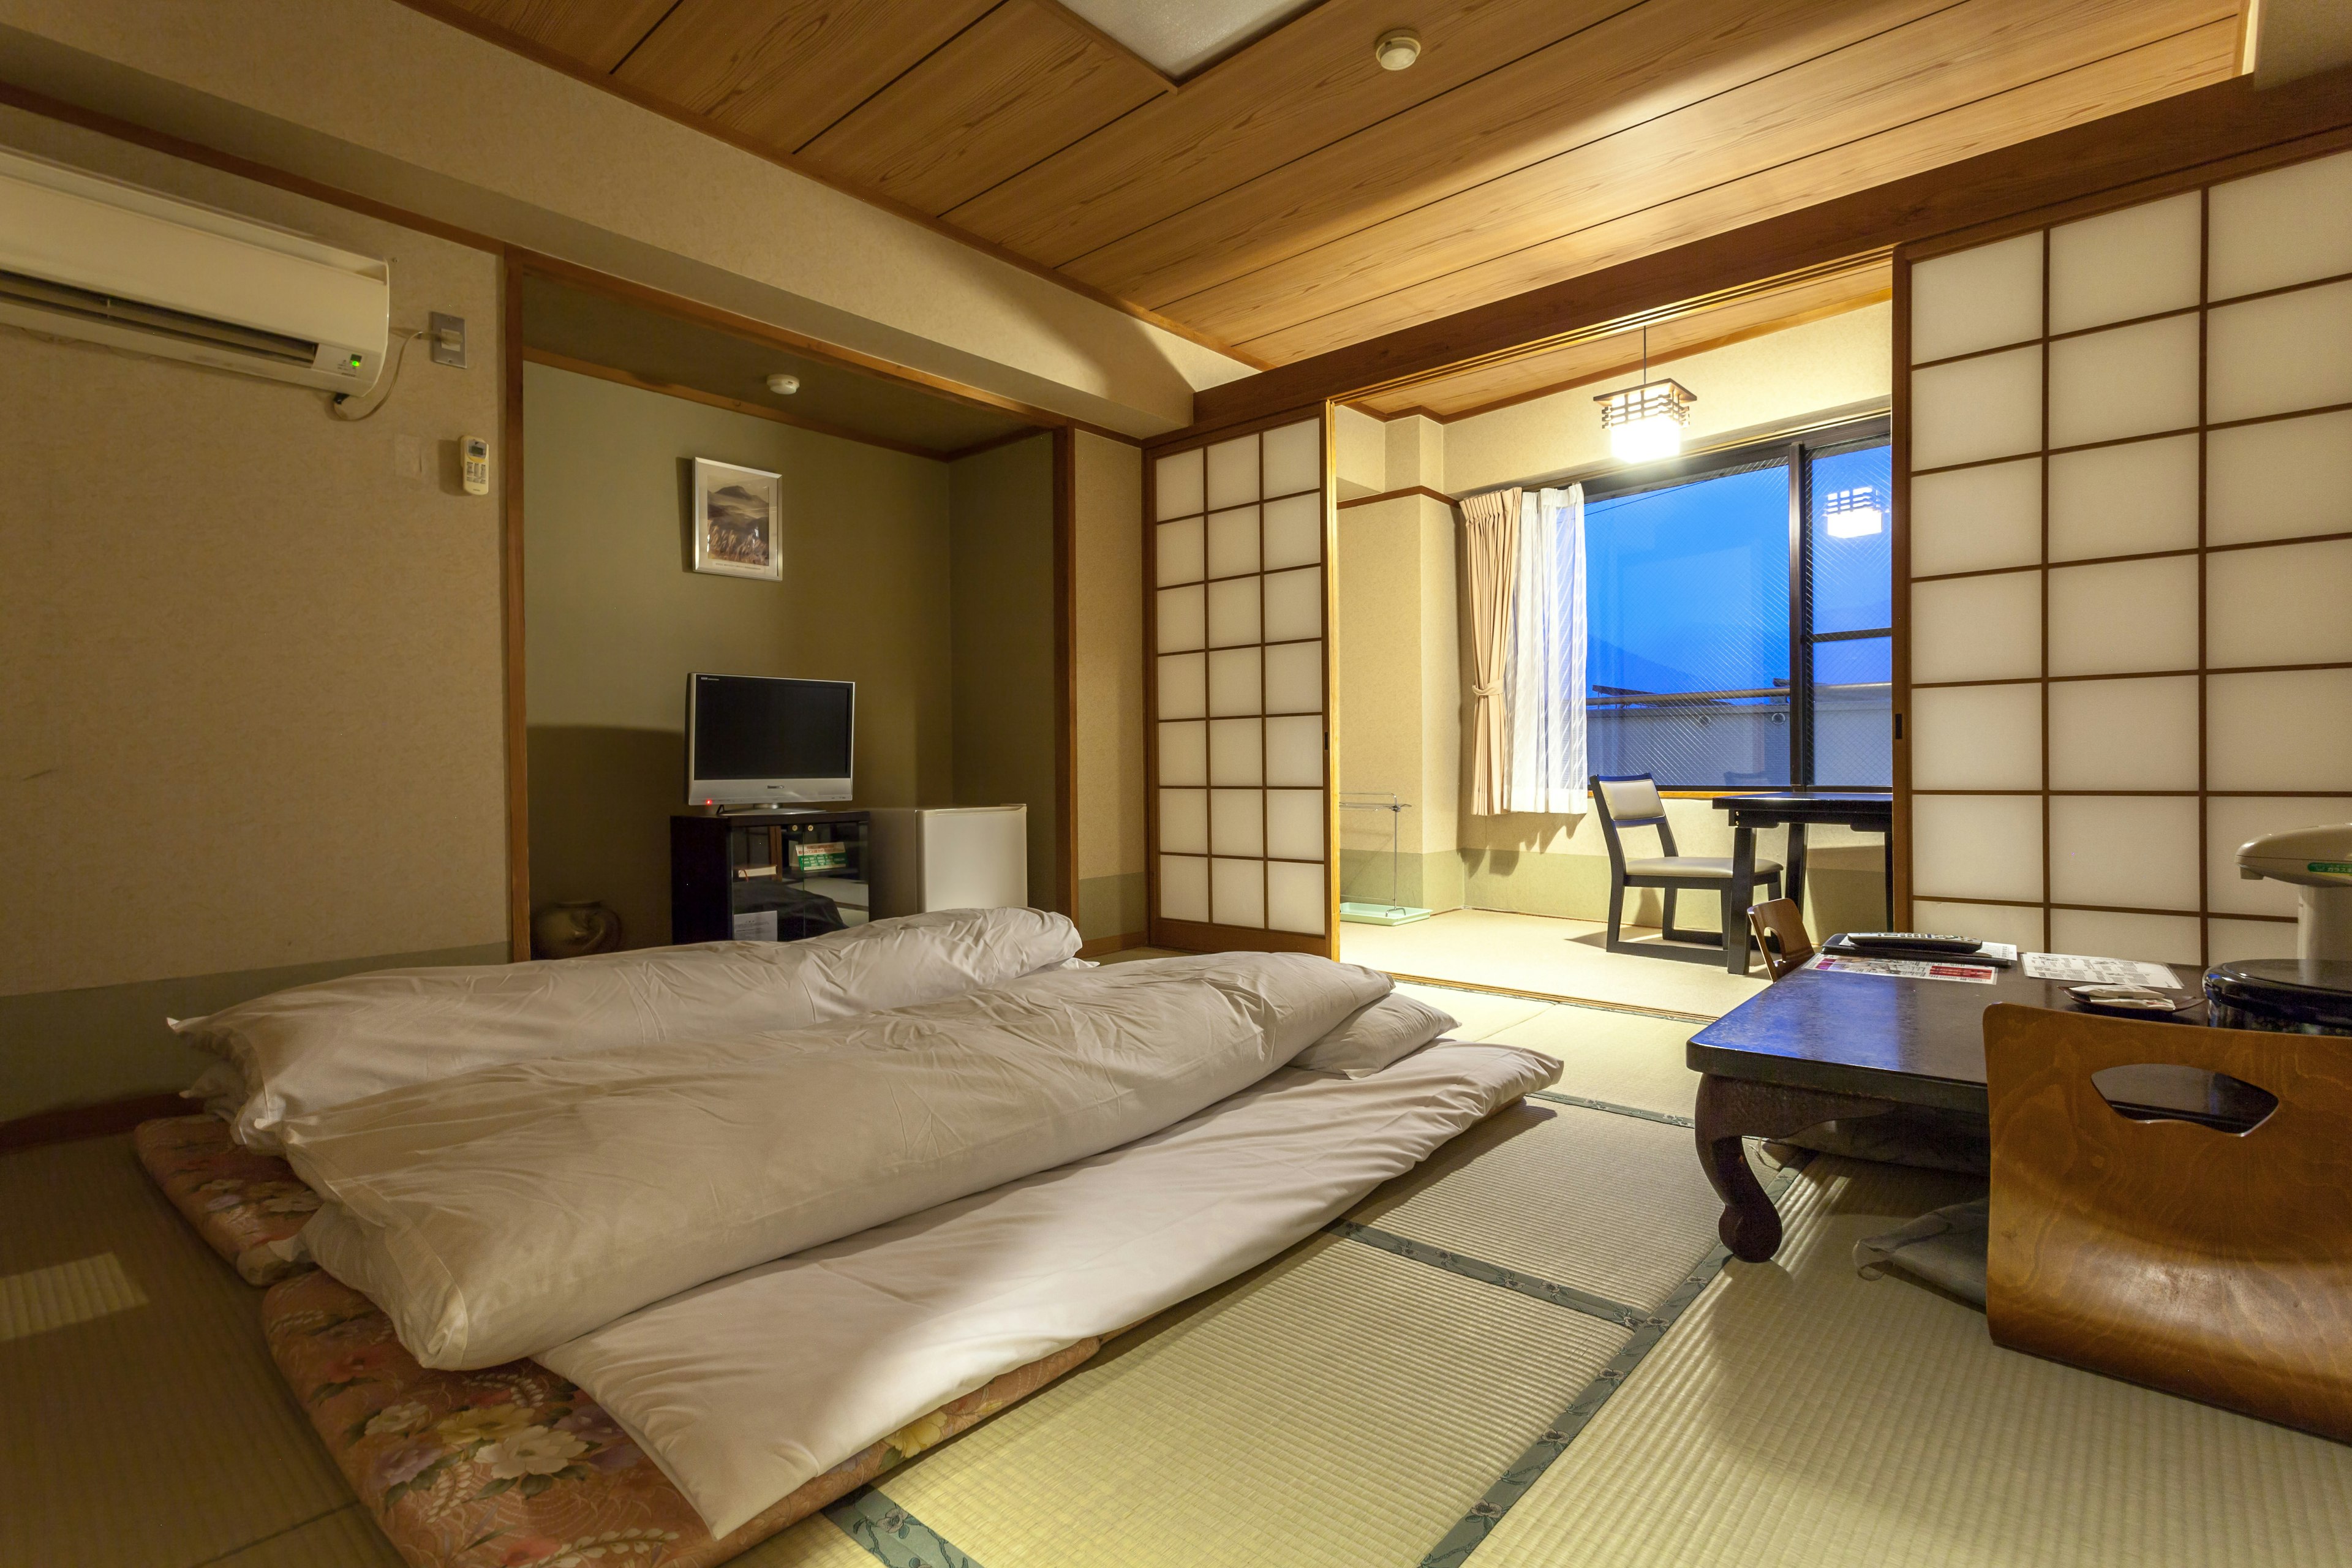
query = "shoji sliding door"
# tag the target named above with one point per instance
(1239, 760)
(2129, 556)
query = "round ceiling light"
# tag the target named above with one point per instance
(1397, 49)
(783, 385)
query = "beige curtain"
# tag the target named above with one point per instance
(1490, 530)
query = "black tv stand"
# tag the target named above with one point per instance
(748, 862)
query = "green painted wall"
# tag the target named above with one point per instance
(614, 621)
(1001, 591)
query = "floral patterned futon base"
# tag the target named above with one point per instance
(239, 1201)
(512, 1465)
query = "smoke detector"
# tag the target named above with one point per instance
(783, 385)
(1397, 49)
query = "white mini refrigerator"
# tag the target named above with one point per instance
(948, 857)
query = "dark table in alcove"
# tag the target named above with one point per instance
(1866, 810)
(1822, 1044)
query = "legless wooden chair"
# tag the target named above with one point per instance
(2212, 1264)
(1781, 936)
(1634, 801)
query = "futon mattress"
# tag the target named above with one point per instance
(241, 1203)
(510, 1465)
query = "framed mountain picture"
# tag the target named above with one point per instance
(735, 521)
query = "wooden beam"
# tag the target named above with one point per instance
(738, 405)
(450, 14)
(2193, 130)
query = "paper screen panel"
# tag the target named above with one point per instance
(2121, 266)
(2108, 933)
(2282, 227)
(2123, 500)
(1240, 612)
(1977, 628)
(2158, 441)
(1978, 298)
(2129, 851)
(2119, 617)
(1974, 409)
(2123, 734)
(2283, 604)
(2020, 928)
(2123, 382)
(2279, 480)
(1977, 520)
(2279, 353)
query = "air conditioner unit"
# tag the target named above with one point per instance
(86, 257)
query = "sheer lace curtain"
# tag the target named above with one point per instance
(1544, 677)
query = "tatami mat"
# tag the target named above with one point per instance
(1624, 1058)
(1551, 957)
(146, 1426)
(346, 1538)
(1340, 1406)
(1803, 1417)
(1482, 1014)
(1608, 1204)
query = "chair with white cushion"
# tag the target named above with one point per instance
(1634, 802)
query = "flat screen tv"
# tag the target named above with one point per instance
(756, 738)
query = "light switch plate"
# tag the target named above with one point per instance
(447, 334)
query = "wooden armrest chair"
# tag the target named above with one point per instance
(2212, 1264)
(1781, 936)
(1634, 802)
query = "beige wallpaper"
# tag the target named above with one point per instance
(614, 621)
(249, 654)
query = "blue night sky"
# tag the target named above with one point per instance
(1687, 586)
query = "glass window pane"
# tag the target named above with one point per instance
(1687, 599)
(1854, 738)
(1854, 544)
(1852, 589)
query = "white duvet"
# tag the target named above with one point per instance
(523, 1204)
(304, 1050)
(746, 1388)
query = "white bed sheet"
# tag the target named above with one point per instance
(497, 1212)
(312, 1047)
(747, 1388)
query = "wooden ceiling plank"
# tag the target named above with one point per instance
(597, 35)
(1609, 260)
(2135, 154)
(1296, 89)
(2087, 93)
(1894, 94)
(1636, 67)
(1008, 91)
(781, 71)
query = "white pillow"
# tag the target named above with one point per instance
(1396, 1026)
(318, 1046)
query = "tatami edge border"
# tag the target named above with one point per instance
(1666, 1117)
(1516, 1482)
(893, 1534)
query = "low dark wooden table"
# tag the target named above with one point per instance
(1819, 1046)
(1796, 810)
